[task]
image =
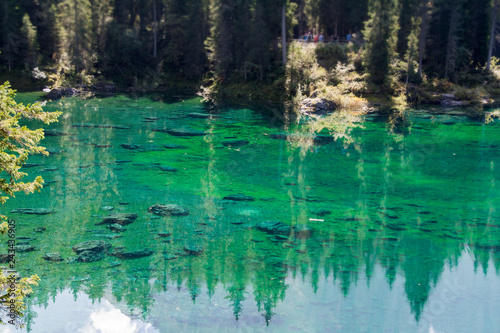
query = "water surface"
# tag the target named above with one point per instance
(392, 221)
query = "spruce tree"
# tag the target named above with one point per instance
(380, 36)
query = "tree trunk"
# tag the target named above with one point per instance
(492, 34)
(451, 46)
(423, 36)
(154, 29)
(283, 33)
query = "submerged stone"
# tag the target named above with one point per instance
(181, 131)
(202, 115)
(132, 254)
(167, 168)
(92, 246)
(130, 146)
(39, 229)
(55, 132)
(235, 143)
(101, 126)
(52, 257)
(24, 248)
(119, 218)
(302, 231)
(239, 197)
(117, 227)
(90, 256)
(274, 227)
(173, 146)
(194, 250)
(168, 210)
(320, 212)
(33, 211)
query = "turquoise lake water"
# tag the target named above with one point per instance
(379, 224)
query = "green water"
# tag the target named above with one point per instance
(395, 225)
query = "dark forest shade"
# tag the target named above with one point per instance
(131, 41)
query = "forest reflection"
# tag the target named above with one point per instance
(353, 192)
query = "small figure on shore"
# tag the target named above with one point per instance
(321, 38)
(349, 37)
(316, 38)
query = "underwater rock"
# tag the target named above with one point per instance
(302, 232)
(96, 246)
(181, 131)
(130, 146)
(119, 218)
(117, 227)
(202, 115)
(31, 165)
(33, 211)
(24, 248)
(132, 254)
(167, 168)
(320, 212)
(40, 229)
(235, 143)
(294, 137)
(51, 168)
(194, 250)
(274, 227)
(52, 257)
(107, 208)
(89, 256)
(173, 146)
(164, 234)
(56, 94)
(168, 210)
(4, 258)
(239, 197)
(101, 126)
(55, 132)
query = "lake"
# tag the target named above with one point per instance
(239, 220)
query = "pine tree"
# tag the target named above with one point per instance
(31, 48)
(380, 36)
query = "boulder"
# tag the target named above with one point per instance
(130, 146)
(132, 254)
(55, 132)
(55, 94)
(167, 168)
(274, 227)
(168, 210)
(87, 125)
(97, 246)
(173, 146)
(33, 211)
(181, 131)
(320, 212)
(302, 232)
(239, 197)
(202, 115)
(52, 257)
(4, 258)
(24, 248)
(119, 218)
(89, 256)
(194, 250)
(103, 87)
(117, 227)
(235, 143)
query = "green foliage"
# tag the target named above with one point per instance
(329, 55)
(17, 142)
(380, 35)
